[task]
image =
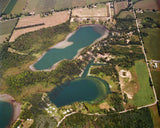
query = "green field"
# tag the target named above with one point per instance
(10, 6)
(156, 81)
(6, 28)
(39, 6)
(145, 95)
(126, 15)
(154, 15)
(3, 4)
(151, 43)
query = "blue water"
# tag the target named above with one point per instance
(6, 110)
(82, 38)
(88, 89)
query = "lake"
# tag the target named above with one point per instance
(6, 110)
(83, 37)
(88, 89)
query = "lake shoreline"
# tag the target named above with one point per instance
(16, 106)
(62, 44)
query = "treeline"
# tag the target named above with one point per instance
(8, 59)
(65, 71)
(29, 26)
(132, 119)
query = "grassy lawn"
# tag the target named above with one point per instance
(151, 43)
(145, 94)
(126, 15)
(156, 81)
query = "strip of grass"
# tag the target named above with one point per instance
(145, 94)
(156, 81)
(151, 43)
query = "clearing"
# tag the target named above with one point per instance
(49, 21)
(120, 5)
(146, 4)
(99, 10)
(6, 28)
(145, 94)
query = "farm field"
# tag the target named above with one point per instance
(126, 15)
(10, 6)
(55, 19)
(99, 10)
(146, 4)
(120, 5)
(6, 28)
(156, 81)
(39, 6)
(145, 95)
(3, 4)
(151, 43)
(155, 116)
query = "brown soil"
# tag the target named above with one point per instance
(104, 106)
(49, 21)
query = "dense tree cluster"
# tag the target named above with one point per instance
(65, 71)
(132, 119)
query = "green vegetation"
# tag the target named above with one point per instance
(151, 43)
(10, 6)
(145, 94)
(156, 81)
(6, 28)
(125, 15)
(3, 5)
(137, 118)
(65, 71)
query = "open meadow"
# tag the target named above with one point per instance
(145, 95)
(49, 21)
(6, 28)
(10, 6)
(39, 6)
(146, 4)
(99, 10)
(120, 5)
(151, 43)
(126, 15)
(3, 5)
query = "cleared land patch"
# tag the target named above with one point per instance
(126, 15)
(151, 43)
(145, 94)
(55, 19)
(3, 4)
(146, 4)
(99, 10)
(120, 5)
(6, 28)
